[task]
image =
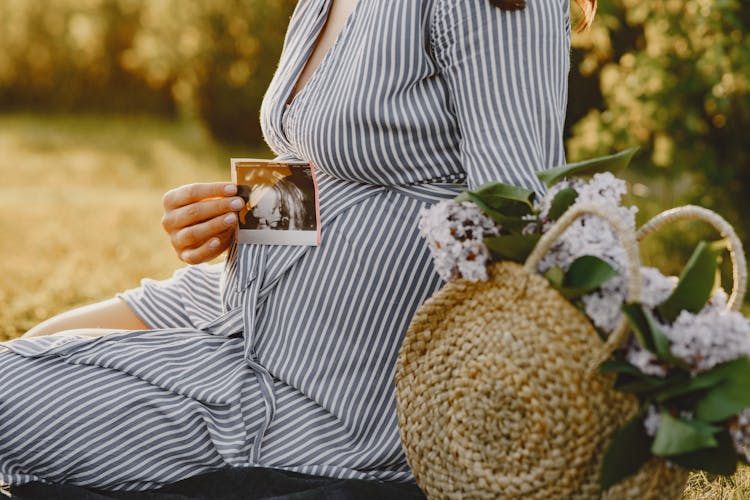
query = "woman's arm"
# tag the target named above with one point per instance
(507, 73)
(200, 219)
(106, 316)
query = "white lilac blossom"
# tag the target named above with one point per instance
(655, 288)
(710, 337)
(651, 421)
(740, 432)
(644, 360)
(602, 188)
(455, 232)
(588, 235)
(603, 305)
(592, 235)
(717, 301)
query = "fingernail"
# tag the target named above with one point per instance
(230, 189)
(214, 243)
(230, 219)
(237, 204)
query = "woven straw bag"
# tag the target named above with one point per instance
(497, 392)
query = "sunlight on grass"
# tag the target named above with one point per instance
(701, 486)
(80, 210)
(80, 207)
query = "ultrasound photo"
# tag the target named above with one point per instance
(281, 202)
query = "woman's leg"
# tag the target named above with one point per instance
(108, 315)
(98, 427)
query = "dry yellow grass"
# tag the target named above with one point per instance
(80, 204)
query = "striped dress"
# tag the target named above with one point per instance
(285, 356)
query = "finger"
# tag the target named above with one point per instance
(191, 193)
(200, 212)
(208, 250)
(198, 234)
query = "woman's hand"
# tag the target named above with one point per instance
(200, 219)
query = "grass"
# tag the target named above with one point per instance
(80, 205)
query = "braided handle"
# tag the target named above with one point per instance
(628, 241)
(736, 253)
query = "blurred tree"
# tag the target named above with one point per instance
(220, 54)
(674, 78)
(210, 58)
(65, 55)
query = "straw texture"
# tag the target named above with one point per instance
(496, 397)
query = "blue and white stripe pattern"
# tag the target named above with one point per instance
(285, 356)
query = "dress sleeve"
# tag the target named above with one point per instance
(507, 77)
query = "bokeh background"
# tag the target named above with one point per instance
(105, 104)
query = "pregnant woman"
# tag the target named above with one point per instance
(284, 356)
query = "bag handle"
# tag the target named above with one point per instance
(628, 241)
(736, 253)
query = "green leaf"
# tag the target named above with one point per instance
(499, 197)
(695, 284)
(609, 163)
(627, 452)
(662, 343)
(587, 273)
(508, 223)
(719, 460)
(641, 329)
(618, 366)
(561, 202)
(643, 385)
(690, 386)
(650, 335)
(700, 382)
(730, 396)
(515, 247)
(555, 275)
(676, 436)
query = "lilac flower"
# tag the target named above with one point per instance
(740, 432)
(710, 337)
(644, 360)
(603, 305)
(717, 301)
(602, 188)
(588, 235)
(652, 420)
(455, 232)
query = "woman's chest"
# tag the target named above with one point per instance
(374, 103)
(339, 12)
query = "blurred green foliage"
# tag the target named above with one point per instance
(71, 55)
(220, 54)
(208, 58)
(672, 76)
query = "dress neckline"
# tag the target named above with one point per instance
(310, 43)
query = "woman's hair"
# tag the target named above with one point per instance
(588, 8)
(292, 201)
